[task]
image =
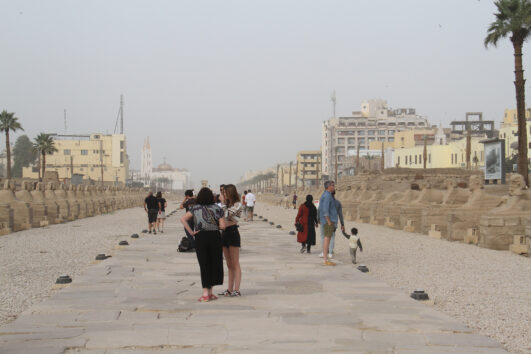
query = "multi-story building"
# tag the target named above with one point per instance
(146, 167)
(376, 122)
(95, 156)
(308, 168)
(509, 131)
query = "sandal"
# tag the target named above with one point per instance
(204, 299)
(213, 297)
(225, 293)
(235, 293)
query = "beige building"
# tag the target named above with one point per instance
(509, 131)
(92, 156)
(308, 168)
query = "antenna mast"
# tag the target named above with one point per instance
(333, 99)
(121, 114)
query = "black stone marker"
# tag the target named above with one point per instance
(419, 294)
(271, 223)
(292, 233)
(260, 217)
(255, 214)
(63, 279)
(265, 220)
(135, 236)
(144, 231)
(363, 268)
(279, 226)
(124, 243)
(101, 257)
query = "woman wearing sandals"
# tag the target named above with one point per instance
(231, 239)
(208, 220)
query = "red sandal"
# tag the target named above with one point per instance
(213, 297)
(204, 299)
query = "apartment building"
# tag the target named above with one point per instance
(375, 122)
(94, 156)
(308, 168)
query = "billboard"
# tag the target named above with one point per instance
(494, 159)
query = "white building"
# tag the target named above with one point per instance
(164, 176)
(375, 122)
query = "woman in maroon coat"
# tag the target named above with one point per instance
(307, 217)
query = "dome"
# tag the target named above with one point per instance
(165, 167)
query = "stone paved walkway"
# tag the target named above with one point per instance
(143, 299)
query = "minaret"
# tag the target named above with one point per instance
(146, 164)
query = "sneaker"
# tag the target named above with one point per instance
(226, 293)
(330, 256)
(235, 293)
(329, 263)
(149, 232)
(309, 251)
(321, 255)
(303, 249)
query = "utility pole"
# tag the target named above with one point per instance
(277, 184)
(290, 163)
(336, 166)
(101, 160)
(318, 164)
(358, 159)
(468, 148)
(121, 114)
(282, 179)
(303, 176)
(71, 168)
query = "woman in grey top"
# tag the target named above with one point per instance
(208, 221)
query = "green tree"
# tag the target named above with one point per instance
(8, 122)
(23, 155)
(44, 145)
(513, 20)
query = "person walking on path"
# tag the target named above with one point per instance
(161, 216)
(250, 200)
(294, 202)
(244, 205)
(307, 217)
(339, 209)
(187, 204)
(152, 207)
(231, 240)
(208, 221)
(328, 219)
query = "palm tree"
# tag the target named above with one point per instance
(514, 19)
(8, 122)
(44, 145)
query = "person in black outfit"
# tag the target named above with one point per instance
(161, 216)
(208, 220)
(152, 207)
(187, 204)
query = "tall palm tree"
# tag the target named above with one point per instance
(44, 145)
(513, 19)
(8, 122)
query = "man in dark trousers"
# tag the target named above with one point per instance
(152, 208)
(187, 204)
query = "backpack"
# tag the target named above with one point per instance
(185, 245)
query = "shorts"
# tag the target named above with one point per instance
(250, 209)
(329, 230)
(162, 215)
(152, 215)
(230, 237)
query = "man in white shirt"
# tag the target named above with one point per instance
(250, 200)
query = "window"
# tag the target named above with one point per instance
(398, 161)
(410, 159)
(406, 159)
(452, 155)
(121, 144)
(371, 140)
(67, 151)
(121, 157)
(391, 140)
(361, 133)
(390, 132)
(381, 139)
(415, 159)
(381, 132)
(361, 141)
(351, 141)
(371, 132)
(429, 158)
(84, 152)
(340, 140)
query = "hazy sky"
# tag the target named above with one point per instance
(225, 86)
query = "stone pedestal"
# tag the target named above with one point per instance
(435, 231)
(497, 231)
(472, 236)
(520, 245)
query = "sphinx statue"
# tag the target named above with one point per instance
(367, 206)
(75, 206)
(15, 214)
(62, 201)
(465, 218)
(499, 225)
(391, 212)
(54, 209)
(39, 212)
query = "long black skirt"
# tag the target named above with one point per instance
(208, 249)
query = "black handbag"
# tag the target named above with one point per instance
(299, 227)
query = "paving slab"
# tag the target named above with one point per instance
(144, 299)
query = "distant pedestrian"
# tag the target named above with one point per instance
(161, 216)
(250, 199)
(328, 220)
(244, 204)
(208, 220)
(294, 202)
(151, 206)
(187, 204)
(231, 239)
(307, 221)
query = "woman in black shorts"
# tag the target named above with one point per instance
(230, 238)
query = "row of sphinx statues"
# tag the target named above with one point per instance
(457, 211)
(37, 204)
